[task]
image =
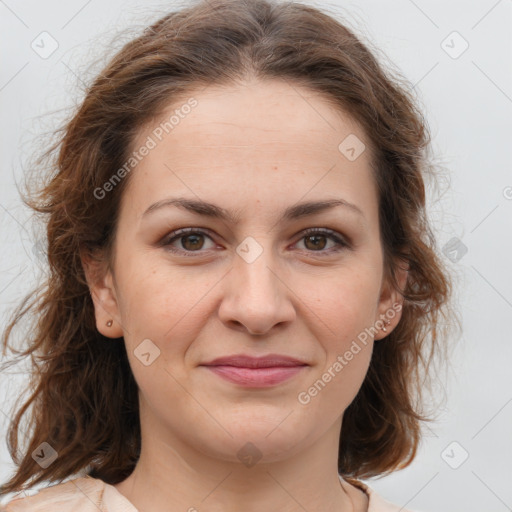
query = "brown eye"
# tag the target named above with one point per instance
(192, 242)
(187, 241)
(314, 242)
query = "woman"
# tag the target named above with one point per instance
(274, 360)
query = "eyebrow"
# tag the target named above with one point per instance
(211, 210)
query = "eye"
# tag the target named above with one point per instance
(186, 240)
(315, 240)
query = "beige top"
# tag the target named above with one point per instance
(87, 494)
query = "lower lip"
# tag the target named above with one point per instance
(256, 377)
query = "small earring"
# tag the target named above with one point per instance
(109, 323)
(384, 327)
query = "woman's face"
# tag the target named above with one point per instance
(248, 279)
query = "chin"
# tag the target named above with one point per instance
(256, 443)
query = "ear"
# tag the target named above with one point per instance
(391, 302)
(101, 286)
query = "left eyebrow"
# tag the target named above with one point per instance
(214, 211)
(304, 209)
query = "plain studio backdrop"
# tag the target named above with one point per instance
(457, 56)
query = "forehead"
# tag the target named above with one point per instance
(258, 135)
(254, 113)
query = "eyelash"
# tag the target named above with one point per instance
(182, 233)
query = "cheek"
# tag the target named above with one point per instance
(339, 382)
(344, 313)
(155, 294)
(345, 310)
(346, 301)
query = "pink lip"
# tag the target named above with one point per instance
(256, 377)
(245, 361)
(251, 371)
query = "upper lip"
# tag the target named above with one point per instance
(245, 361)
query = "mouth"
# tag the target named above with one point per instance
(251, 371)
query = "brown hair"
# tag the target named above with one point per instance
(83, 397)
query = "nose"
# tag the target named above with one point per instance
(256, 295)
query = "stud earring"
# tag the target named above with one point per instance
(109, 323)
(384, 327)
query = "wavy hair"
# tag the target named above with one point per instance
(83, 398)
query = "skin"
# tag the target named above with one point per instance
(254, 148)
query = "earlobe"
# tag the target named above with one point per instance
(103, 294)
(391, 302)
(113, 331)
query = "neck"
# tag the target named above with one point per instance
(173, 476)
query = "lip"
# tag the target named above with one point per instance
(246, 361)
(248, 371)
(256, 377)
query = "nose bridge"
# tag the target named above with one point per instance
(256, 297)
(257, 265)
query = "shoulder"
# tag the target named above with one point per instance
(84, 494)
(376, 503)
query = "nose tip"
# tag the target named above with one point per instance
(255, 297)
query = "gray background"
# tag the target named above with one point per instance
(467, 98)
